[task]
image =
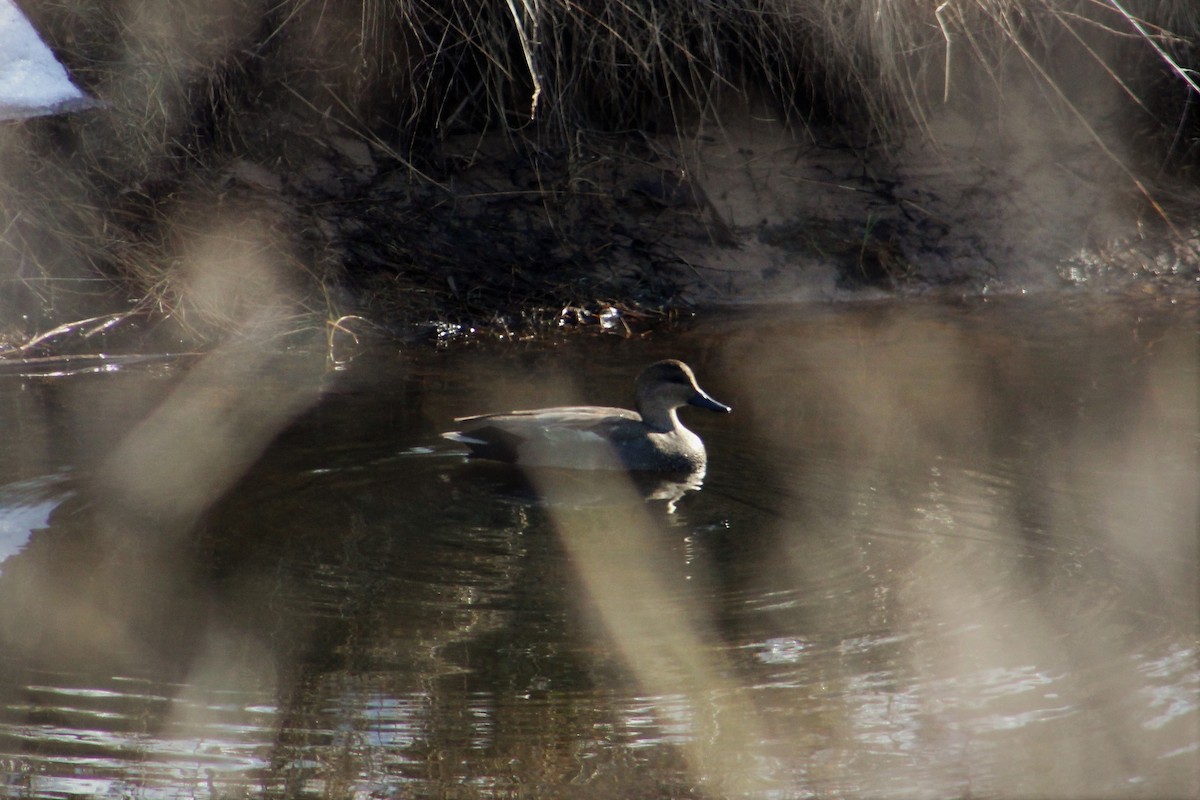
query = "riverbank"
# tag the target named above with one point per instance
(291, 172)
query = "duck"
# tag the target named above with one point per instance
(650, 439)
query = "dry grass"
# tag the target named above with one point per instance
(195, 91)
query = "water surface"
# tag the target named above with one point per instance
(940, 550)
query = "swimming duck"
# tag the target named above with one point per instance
(650, 439)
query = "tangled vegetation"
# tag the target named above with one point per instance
(410, 165)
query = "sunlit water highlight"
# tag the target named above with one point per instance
(941, 550)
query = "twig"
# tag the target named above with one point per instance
(529, 44)
(949, 44)
(1185, 74)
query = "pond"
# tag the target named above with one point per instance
(942, 549)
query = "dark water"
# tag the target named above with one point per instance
(941, 550)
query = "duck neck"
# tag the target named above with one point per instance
(662, 420)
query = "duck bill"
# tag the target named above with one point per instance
(702, 400)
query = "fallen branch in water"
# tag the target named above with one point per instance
(102, 323)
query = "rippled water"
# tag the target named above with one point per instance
(941, 550)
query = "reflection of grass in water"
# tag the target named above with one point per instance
(213, 108)
(1029, 600)
(668, 648)
(983, 627)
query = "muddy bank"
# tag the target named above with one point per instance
(509, 236)
(501, 236)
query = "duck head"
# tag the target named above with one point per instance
(665, 386)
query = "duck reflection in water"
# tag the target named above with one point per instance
(665, 458)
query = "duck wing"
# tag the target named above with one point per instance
(517, 435)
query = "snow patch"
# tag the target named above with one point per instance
(32, 82)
